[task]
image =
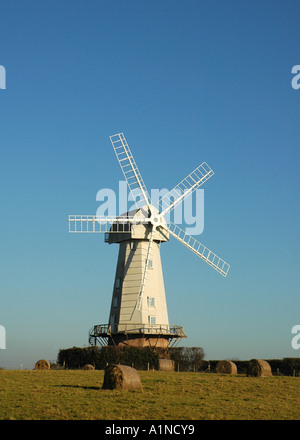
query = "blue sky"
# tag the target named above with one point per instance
(186, 82)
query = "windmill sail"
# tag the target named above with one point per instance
(199, 249)
(130, 171)
(93, 223)
(185, 188)
(146, 267)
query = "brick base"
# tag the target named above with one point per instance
(139, 342)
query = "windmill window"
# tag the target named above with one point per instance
(115, 301)
(118, 283)
(151, 301)
(152, 319)
(134, 245)
(149, 264)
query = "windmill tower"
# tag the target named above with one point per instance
(138, 314)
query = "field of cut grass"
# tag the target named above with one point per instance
(77, 395)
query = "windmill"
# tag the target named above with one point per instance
(138, 313)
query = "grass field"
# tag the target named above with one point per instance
(77, 395)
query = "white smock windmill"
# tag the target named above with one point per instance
(138, 313)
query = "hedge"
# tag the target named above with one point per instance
(100, 357)
(185, 359)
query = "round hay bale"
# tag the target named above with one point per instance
(121, 377)
(226, 367)
(259, 368)
(42, 364)
(88, 367)
(165, 365)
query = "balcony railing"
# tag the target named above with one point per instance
(103, 330)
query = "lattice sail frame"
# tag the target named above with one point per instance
(185, 188)
(130, 170)
(93, 223)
